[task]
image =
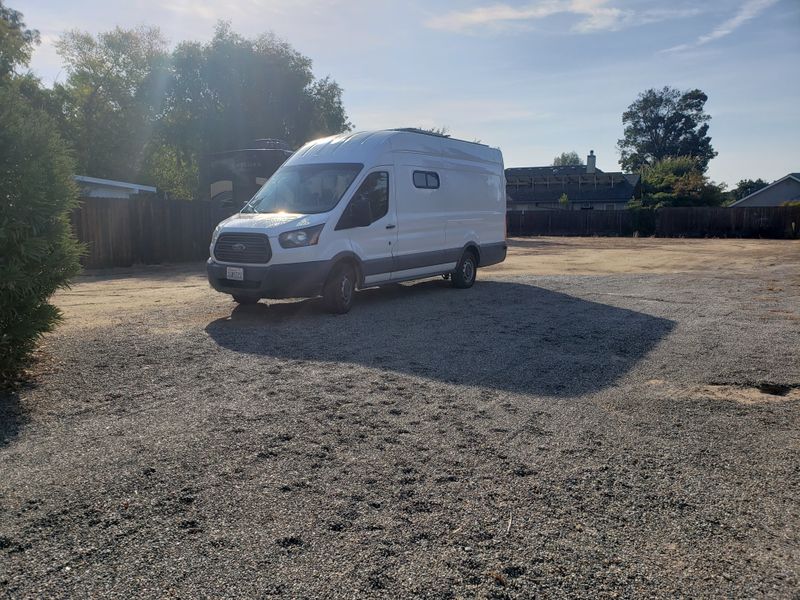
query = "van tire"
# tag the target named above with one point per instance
(464, 275)
(244, 299)
(337, 296)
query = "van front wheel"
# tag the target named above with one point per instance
(464, 275)
(340, 289)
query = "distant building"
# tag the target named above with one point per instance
(93, 187)
(586, 187)
(786, 189)
(233, 177)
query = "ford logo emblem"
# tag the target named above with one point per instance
(239, 247)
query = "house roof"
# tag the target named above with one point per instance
(115, 184)
(547, 184)
(561, 171)
(795, 176)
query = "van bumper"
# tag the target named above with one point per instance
(298, 280)
(491, 254)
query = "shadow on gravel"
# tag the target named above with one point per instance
(10, 417)
(503, 335)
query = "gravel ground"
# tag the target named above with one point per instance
(629, 434)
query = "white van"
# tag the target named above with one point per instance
(365, 209)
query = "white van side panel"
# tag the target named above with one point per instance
(482, 210)
(421, 213)
(468, 208)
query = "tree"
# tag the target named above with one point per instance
(745, 187)
(16, 42)
(678, 181)
(135, 112)
(566, 159)
(563, 200)
(38, 253)
(223, 94)
(112, 98)
(666, 123)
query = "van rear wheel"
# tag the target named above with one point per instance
(340, 289)
(464, 275)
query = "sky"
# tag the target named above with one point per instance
(534, 78)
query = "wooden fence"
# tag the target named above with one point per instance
(765, 222)
(754, 222)
(578, 222)
(120, 233)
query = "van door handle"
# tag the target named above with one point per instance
(391, 226)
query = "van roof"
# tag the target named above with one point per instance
(433, 133)
(374, 147)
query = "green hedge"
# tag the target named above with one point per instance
(38, 253)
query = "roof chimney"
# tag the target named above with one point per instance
(590, 162)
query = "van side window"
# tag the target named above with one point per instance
(376, 189)
(372, 196)
(426, 180)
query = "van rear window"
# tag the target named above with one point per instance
(426, 180)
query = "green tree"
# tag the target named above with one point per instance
(566, 159)
(223, 94)
(678, 181)
(665, 123)
(112, 98)
(135, 112)
(38, 253)
(16, 42)
(563, 200)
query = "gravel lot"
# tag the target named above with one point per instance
(593, 418)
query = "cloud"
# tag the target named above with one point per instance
(747, 11)
(594, 15)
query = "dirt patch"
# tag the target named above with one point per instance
(748, 395)
(604, 256)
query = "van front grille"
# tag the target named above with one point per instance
(248, 248)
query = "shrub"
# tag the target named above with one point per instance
(679, 181)
(38, 253)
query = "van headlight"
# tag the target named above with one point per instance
(301, 237)
(215, 235)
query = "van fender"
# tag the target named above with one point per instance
(487, 254)
(349, 257)
(475, 248)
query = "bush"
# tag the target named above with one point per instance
(679, 181)
(38, 253)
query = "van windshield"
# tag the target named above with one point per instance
(304, 189)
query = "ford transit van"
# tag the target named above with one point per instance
(365, 209)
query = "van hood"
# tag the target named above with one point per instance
(270, 223)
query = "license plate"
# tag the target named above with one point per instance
(235, 273)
